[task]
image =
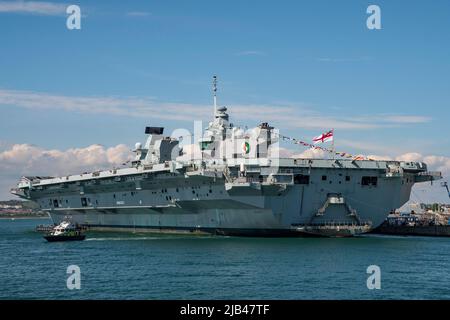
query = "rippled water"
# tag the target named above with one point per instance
(147, 266)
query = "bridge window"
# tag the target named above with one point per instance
(83, 202)
(324, 178)
(55, 203)
(301, 179)
(369, 181)
(347, 178)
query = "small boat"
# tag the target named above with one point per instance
(65, 231)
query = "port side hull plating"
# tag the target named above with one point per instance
(248, 215)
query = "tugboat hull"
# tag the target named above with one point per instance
(65, 238)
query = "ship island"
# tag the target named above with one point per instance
(234, 185)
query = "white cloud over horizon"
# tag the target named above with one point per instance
(291, 115)
(33, 7)
(26, 159)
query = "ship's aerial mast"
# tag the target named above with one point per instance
(215, 94)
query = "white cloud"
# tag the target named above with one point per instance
(138, 14)
(438, 163)
(251, 53)
(33, 7)
(120, 106)
(289, 116)
(407, 119)
(378, 157)
(118, 154)
(435, 163)
(365, 146)
(280, 152)
(26, 159)
(410, 156)
(338, 60)
(311, 154)
(393, 119)
(429, 192)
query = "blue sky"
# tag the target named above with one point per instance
(385, 91)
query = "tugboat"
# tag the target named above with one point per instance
(65, 231)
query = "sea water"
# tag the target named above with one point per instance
(151, 266)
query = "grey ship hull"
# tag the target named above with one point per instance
(210, 205)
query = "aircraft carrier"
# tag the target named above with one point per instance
(233, 184)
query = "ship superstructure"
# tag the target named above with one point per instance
(233, 185)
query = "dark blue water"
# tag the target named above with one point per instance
(143, 266)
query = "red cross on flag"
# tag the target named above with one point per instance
(324, 137)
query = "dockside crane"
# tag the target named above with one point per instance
(444, 184)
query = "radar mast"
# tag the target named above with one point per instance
(215, 94)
